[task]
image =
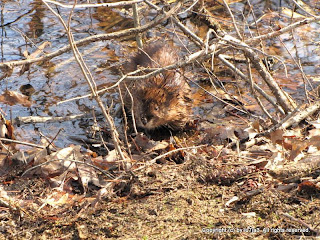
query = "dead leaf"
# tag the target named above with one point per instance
(88, 175)
(6, 131)
(83, 231)
(67, 165)
(55, 199)
(103, 164)
(253, 129)
(289, 13)
(297, 146)
(314, 132)
(3, 127)
(277, 136)
(149, 145)
(59, 198)
(171, 147)
(309, 188)
(315, 141)
(12, 98)
(33, 55)
(7, 72)
(294, 171)
(61, 161)
(112, 161)
(27, 89)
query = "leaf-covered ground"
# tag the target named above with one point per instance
(165, 201)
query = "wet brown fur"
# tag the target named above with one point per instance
(163, 100)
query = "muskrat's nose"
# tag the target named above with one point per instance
(144, 120)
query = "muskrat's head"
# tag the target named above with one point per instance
(156, 106)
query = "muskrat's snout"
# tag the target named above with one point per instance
(145, 119)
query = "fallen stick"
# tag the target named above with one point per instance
(38, 119)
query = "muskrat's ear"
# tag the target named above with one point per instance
(176, 80)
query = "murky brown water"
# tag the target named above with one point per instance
(26, 24)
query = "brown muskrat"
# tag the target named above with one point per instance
(160, 101)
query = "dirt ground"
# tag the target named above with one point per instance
(165, 201)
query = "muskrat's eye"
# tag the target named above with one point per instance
(156, 107)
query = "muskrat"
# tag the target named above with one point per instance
(160, 101)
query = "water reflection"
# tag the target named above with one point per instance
(36, 24)
(27, 24)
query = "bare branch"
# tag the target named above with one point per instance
(281, 97)
(90, 81)
(94, 5)
(95, 38)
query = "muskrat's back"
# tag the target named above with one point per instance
(163, 100)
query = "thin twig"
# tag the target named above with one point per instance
(298, 64)
(69, 160)
(132, 31)
(90, 81)
(256, 87)
(279, 94)
(154, 160)
(22, 143)
(95, 38)
(189, 8)
(296, 116)
(183, 28)
(255, 95)
(301, 8)
(136, 21)
(256, 40)
(134, 125)
(94, 5)
(233, 19)
(125, 125)
(299, 221)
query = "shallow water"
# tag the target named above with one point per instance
(28, 23)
